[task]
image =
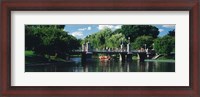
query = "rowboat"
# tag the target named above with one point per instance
(104, 57)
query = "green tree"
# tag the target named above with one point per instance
(143, 41)
(112, 39)
(134, 31)
(115, 40)
(117, 31)
(32, 38)
(172, 33)
(49, 40)
(164, 45)
(98, 40)
(47, 26)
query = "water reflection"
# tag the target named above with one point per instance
(103, 66)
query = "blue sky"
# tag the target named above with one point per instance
(83, 30)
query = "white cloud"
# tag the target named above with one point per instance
(82, 29)
(77, 34)
(168, 26)
(100, 27)
(89, 28)
(118, 26)
(161, 30)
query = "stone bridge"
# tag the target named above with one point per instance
(124, 52)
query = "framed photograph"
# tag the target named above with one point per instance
(138, 48)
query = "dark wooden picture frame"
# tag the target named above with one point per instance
(98, 5)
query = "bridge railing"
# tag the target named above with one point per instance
(95, 50)
(109, 51)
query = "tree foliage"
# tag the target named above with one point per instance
(105, 38)
(49, 40)
(165, 45)
(172, 33)
(134, 31)
(141, 36)
(99, 39)
(143, 41)
(115, 40)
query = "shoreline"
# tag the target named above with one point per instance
(151, 60)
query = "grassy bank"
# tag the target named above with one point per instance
(163, 59)
(32, 58)
(150, 60)
(166, 58)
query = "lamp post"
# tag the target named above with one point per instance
(122, 45)
(128, 45)
(153, 46)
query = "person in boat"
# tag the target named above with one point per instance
(104, 57)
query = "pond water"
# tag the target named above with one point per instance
(95, 65)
